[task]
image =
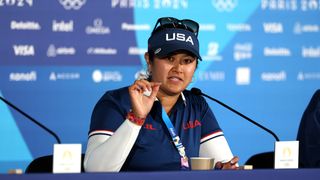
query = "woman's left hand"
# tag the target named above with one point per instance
(232, 164)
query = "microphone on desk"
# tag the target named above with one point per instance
(197, 91)
(32, 119)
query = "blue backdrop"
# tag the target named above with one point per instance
(57, 58)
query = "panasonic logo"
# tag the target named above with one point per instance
(62, 26)
(23, 50)
(239, 27)
(28, 76)
(25, 25)
(135, 27)
(273, 28)
(267, 51)
(310, 52)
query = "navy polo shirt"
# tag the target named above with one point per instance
(154, 150)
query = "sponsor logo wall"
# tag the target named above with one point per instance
(58, 57)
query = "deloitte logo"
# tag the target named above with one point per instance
(72, 4)
(224, 5)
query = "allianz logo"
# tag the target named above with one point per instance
(101, 51)
(24, 25)
(136, 51)
(98, 28)
(240, 27)
(99, 76)
(310, 52)
(135, 27)
(273, 27)
(242, 51)
(62, 26)
(280, 51)
(148, 4)
(23, 76)
(55, 51)
(24, 50)
(274, 76)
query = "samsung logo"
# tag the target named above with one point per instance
(25, 25)
(19, 76)
(267, 51)
(23, 50)
(62, 26)
(273, 27)
(274, 76)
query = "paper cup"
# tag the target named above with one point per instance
(201, 163)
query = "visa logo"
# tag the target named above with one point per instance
(23, 50)
(273, 27)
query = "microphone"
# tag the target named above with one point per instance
(197, 91)
(32, 119)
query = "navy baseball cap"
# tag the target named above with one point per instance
(169, 40)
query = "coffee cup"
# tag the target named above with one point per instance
(201, 163)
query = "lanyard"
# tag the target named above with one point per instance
(176, 139)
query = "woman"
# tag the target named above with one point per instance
(156, 124)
